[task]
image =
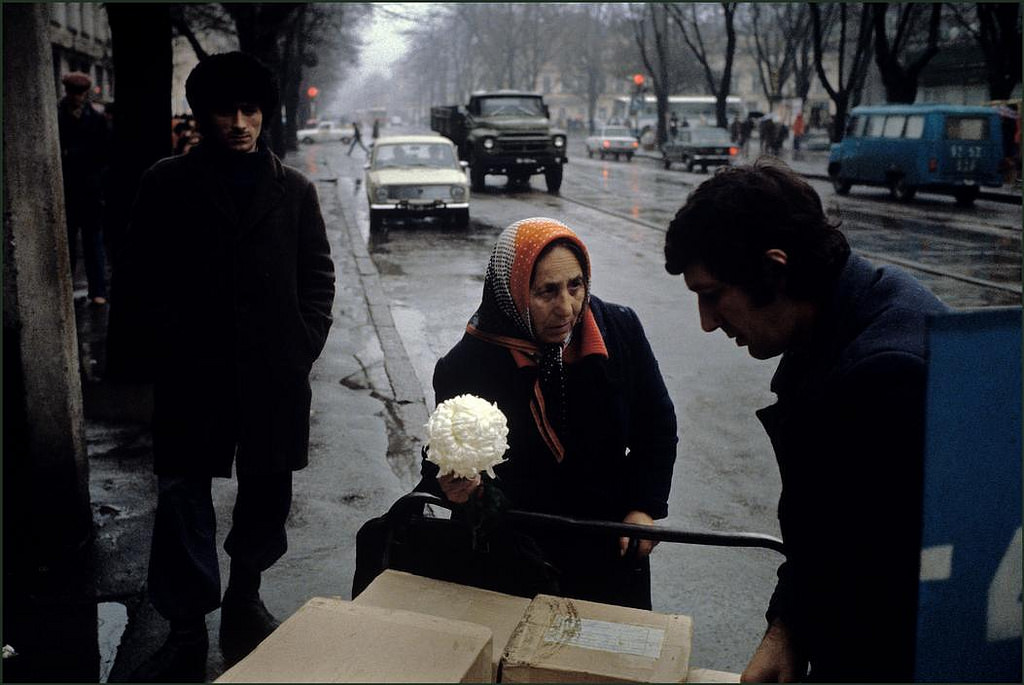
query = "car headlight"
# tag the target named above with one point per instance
(488, 143)
(380, 194)
(458, 193)
(559, 141)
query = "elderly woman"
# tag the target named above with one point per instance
(592, 430)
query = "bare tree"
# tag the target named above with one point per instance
(780, 40)
(689, 18)
(585, 54)
(900, 71)
(833, 25)
(996, 28)
(651, 30)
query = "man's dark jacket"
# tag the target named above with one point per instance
(848, 433)
(225, 308)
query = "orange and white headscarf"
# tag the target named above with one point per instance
(504, 319)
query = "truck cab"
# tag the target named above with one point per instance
(507, 133)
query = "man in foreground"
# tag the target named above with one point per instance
(770, 270)
(227, 285)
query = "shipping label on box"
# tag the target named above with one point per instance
(330, 640)
(568, 640)
(499, 612)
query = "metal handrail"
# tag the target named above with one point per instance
(408, 502)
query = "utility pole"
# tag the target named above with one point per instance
(46, 477)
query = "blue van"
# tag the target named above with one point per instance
(949, 149)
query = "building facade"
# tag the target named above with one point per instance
(80, 41)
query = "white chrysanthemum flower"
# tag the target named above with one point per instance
(466, 435)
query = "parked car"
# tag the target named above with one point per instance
(700, 146)
(325, 132)
(949, 149)
(416, 176)
(613, 140)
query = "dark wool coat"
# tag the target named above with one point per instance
(620, 446)
(225, 308)
(848, 433)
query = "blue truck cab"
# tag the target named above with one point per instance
(948, 149)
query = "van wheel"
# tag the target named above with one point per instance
(841, 185)
(901, 189)
(966, 197)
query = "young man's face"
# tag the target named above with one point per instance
(765, 331)
(237, 127)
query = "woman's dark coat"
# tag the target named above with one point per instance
(621, 442)
(225, 308)
(848, 433)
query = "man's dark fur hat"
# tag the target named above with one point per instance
(229, 78)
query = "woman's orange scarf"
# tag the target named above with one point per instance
(504, 315)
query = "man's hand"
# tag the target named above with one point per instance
(645, 546)
(775, 660)
(457, 489)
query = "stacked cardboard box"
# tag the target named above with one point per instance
(568, 640)
(499, 612)
(330, 640)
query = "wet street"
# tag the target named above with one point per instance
(725, 477)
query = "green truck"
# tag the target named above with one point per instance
(504, 132)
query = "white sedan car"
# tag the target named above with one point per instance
(416, 176)
(613, 141)
(326, 132)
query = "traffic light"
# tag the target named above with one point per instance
(638, 79)
(312, 92)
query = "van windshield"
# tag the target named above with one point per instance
(966, 128)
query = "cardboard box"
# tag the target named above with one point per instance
(499, 612)
(330, 640)
(706, 675)
(568, 640)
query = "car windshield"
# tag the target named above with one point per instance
(710, 135)
(617, 133)
(393, 155)
(511, 107)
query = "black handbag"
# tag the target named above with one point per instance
(476, 546)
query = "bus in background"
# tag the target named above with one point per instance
(696, 110)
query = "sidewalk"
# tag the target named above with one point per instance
(88, 619)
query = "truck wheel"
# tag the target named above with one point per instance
(553, 177)
(376, 220)
(841, 185)
(476, 178)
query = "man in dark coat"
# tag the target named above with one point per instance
(848, 428)
(84, 140)
(226, 284)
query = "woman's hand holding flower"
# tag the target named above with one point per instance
(458, 489)
(466, 436)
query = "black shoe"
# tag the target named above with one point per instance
(181, 659)
(244, 623)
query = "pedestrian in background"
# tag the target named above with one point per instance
(771, 271)
(357, 139)
(226, 285)
(84, 148)
(673, 126)
(798, 132)
(376, 131)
